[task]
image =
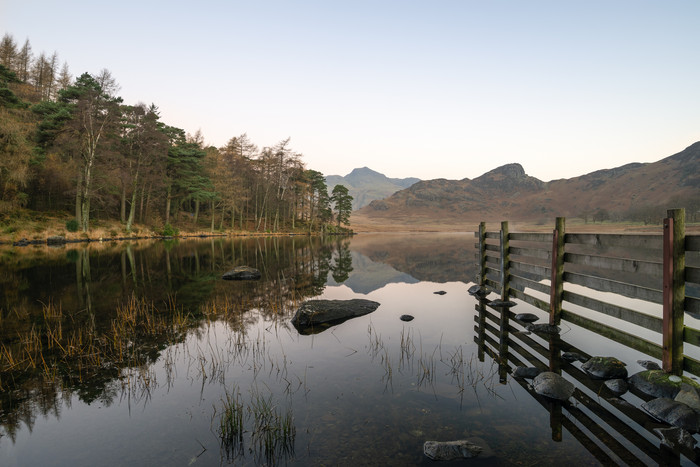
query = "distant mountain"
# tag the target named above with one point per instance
(632, 192)
(365, 185)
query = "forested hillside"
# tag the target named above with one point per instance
(70, 146)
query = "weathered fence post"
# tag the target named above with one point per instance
(673, 291)
(482, 254)
(505, 261)
(557, 277)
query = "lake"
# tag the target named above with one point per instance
(140, 354)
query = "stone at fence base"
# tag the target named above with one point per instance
(618, 385)
(674, 413)
(549, 329)
(649, 365)
(527, 317)
(553, 385)
(676, 438)
(657, 383)
(574, 357)
(605, 368)
(689, 395)
(526, 372)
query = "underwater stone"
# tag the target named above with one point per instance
(451, 450)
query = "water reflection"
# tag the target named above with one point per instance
(140, 354)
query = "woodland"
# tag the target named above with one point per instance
(71, 148)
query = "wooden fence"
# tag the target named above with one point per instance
(651, 268)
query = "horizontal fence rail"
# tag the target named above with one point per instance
(562, 273)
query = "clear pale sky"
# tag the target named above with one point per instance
(431, 89)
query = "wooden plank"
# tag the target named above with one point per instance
(691, 336)
(607, 285)
(616, 264)
(523, 282)
(624, 338)
(505, 260)
(530, 253)
(532, 237)
(542, 272)
(691, 365)
(652, 323)
(482, 253)
(650, 242)
(692, 243)
(490, 247)
(692, 274)
(493, 235)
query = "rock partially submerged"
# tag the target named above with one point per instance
(440, 292)
(676, 438)
(553, 385)
(605, 368)
(451, 450)
(478, 291)
(526, 372)
(574, 357)
(498, 303)
(242, 273)
(324, 313)
(56, 240)
(674, 413)
(649, 365)
(406, 318)
(657, 383)
(527, 317)
(618, 385)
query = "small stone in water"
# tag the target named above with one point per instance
(406, 318)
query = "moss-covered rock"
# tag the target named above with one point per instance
(605, 368)
(657, 383)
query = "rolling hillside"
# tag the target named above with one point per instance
(631, 192)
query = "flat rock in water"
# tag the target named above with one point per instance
(649, 365)
(553, 385)
(327, 312)
(440, 292)
(451, 450)
(526, 372)
(550, 329)
(498, 303)
(676, 438)
(574, 357)
(674, 413)
(406, 318)
(242, 273)
(527, 317)
(657, 383)
(618, 385)
(605, 368)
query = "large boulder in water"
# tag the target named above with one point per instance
(553, 385)
(605, 368)
(316, 315)
(242, 273)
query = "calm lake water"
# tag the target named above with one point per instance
(130, 354)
